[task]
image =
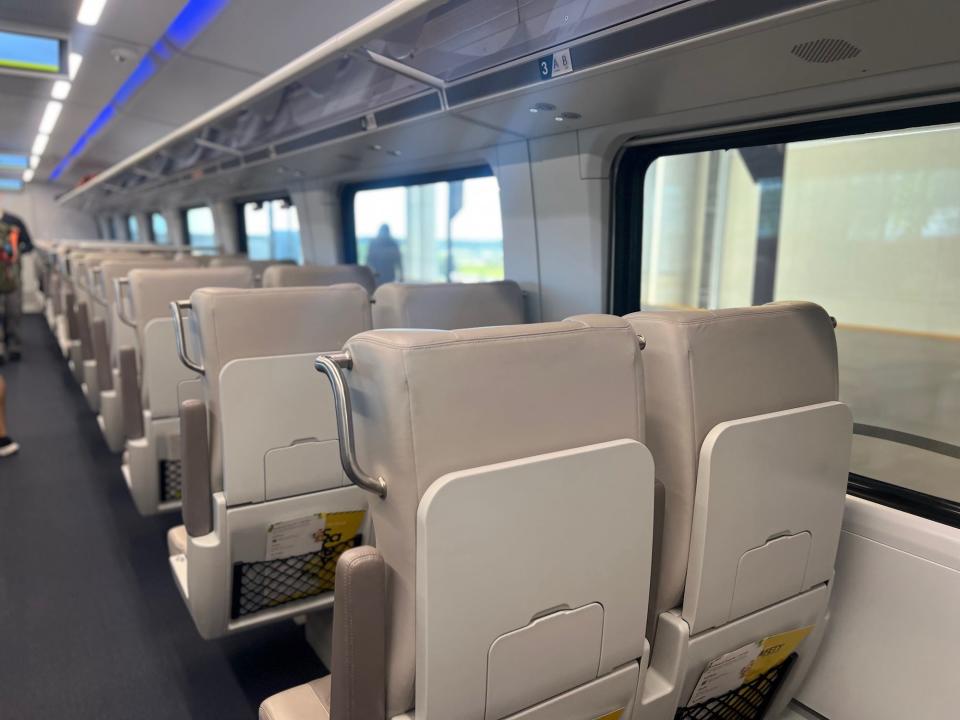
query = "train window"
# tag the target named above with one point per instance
(429, 228)
(866, 225)
(132, 228)
(271, 230)
(158, 226)
(198, 222)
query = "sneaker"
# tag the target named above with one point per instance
(7, 447)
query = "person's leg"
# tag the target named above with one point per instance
(14, 311)
(7, 446)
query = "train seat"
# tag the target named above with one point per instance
(752, 449)
(448, 306)
(257, 266)
(313, 275)
(152, 394)
(513, 543)
(112, 333)
(261, 456)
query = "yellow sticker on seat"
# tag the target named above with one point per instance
(615, 715)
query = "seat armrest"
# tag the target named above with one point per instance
(83, 331)
(195, 465)
(130, 394)
(101, 353)
(71, 312)
(358, 675)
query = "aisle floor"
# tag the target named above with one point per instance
(91, 625)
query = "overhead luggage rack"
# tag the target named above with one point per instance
(411, 60)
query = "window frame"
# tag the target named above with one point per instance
(133, 222)
(349, 192)
(625, 241)
(152, 231)
(238, 204)
(187, 240)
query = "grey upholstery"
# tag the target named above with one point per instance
(359, 636)
(130, 395)
(101, 353)
(311, 275)
(448, 306)
(195, 459)
(84, 334)
(706, 367)
(354, 689)
(427, 403)
(236, 324)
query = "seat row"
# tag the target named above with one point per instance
(548, 520)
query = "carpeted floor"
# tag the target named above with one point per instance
(91, 625)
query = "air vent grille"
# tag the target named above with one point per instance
(825, 50)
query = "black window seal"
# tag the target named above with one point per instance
(914, 502)
(349, 192)
(626, 242)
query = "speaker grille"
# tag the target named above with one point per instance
(825, 50)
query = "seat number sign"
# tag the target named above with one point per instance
(555, 65)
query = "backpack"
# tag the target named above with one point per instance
(9, 258)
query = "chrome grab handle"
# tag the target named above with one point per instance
(180, 333)
(118, 285)
(332, 365)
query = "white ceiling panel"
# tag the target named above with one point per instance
(185, 87)
(126, 135)
(54, 15)
(263, 36)
(138, 22)
(19, 121)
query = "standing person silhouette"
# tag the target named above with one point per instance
(384, 257)
(14, 242)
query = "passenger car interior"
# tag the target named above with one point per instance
(484, 360)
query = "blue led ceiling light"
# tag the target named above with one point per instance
(192, 20)
(10, 185)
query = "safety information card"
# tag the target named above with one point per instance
(295, 537)
(740, 666)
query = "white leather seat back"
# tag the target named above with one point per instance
(313, 275)
(119, 334)
(257, 266)
(267, 322)
(448, 306)
(704, 368)
(427, 403)
(153, 290)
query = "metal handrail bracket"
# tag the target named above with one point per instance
(177, 308)
(332, 365)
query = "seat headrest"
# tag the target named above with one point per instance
(705, 367)
(448, 306)
(314, 275)
(154, 289)
(261, 322)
